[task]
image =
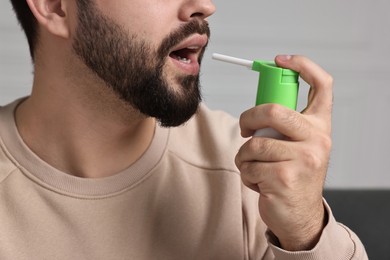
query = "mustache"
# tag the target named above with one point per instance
(174, 38)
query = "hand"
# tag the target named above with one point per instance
(289, 174)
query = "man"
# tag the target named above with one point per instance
(112, 157)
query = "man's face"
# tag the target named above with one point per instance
(159, 77)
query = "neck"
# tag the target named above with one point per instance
(81, 128)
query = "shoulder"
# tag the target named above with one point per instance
(6, 164)
(210, 139)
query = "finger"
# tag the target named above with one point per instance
(251, 186)
(265, 150)
(318, 79)
(268, 177)
(284, 120)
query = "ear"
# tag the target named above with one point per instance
(52, 15)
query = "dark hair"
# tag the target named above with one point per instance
(28, 22)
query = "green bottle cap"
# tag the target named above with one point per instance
(276, 85)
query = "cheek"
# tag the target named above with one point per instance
(151, 20)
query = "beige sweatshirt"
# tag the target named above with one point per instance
(182, 200)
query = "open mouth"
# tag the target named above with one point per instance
(186, 55)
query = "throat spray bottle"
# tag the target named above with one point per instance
(275, 85)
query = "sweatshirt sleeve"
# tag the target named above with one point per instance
(337, 242)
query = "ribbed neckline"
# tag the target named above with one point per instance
(43, 173)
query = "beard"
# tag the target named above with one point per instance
(134, 70)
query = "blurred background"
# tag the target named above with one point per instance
(350, 39)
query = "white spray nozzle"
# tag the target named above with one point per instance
(229, 59)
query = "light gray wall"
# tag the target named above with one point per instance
(350, 39)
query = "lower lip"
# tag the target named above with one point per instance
(188, 68)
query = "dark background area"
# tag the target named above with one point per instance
(367, 213)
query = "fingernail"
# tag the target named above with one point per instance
(284, 57)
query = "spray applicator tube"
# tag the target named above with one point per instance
(275, 85)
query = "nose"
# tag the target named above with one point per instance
(196, 9)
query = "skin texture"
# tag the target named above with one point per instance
(74, 119)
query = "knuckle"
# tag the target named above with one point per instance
(312, 160)
(252, 145)
(326, 82)
(325, 142)
(317, 159)
(250, 185)
(297, 122)
(273, 111)
(249, 172)
(244, 168)
(329, 80)
(285, 176)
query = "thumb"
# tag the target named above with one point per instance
(321, 83)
